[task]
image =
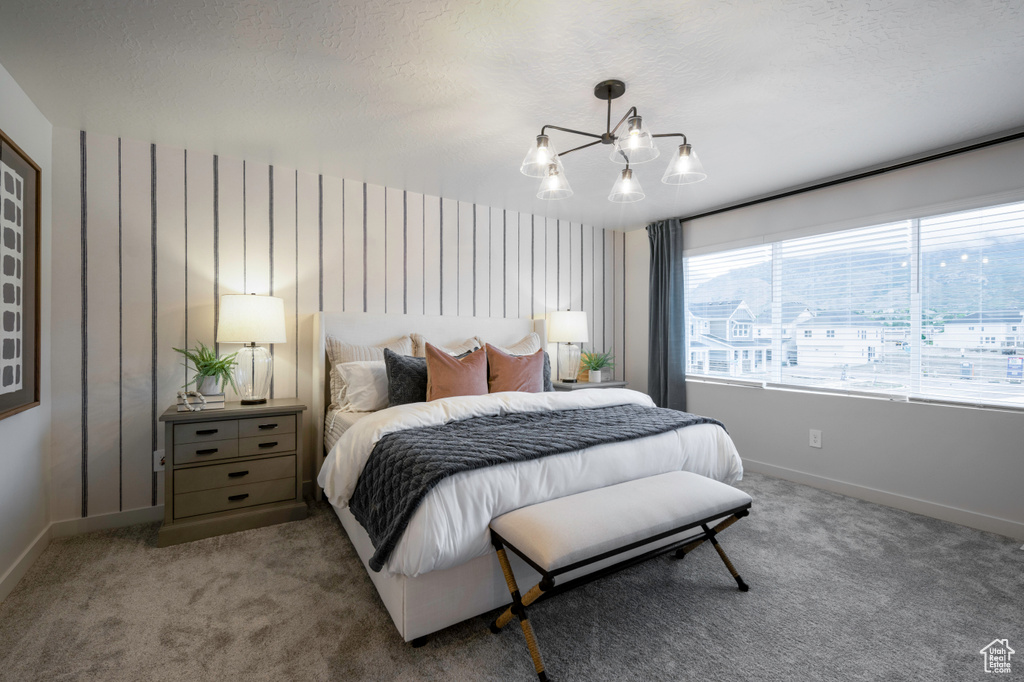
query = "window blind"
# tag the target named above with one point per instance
(929, 308)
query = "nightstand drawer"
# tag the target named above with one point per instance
(235, 497)
(204, 431)
(235, 474)
(266, 426)
(204, 451)
(264, 445)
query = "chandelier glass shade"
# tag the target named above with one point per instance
(554, 185)
(636, 145)
(626, 189)
(632, 143)
(684, 168)
(540, 155)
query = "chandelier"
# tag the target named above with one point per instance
(634, 145)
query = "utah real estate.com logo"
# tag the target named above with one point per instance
(997, 656)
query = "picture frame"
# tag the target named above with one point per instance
(20, 216)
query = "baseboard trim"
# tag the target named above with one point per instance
(964, 517)
(130, 517)
(24, 562)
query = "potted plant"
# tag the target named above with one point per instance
(595, 363)
(212, 374)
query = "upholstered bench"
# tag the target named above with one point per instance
(562, 536)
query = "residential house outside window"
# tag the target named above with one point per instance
(918, 289)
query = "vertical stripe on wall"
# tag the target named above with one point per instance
(85, 332)
(212, 232)
(216, 249)
(153, 297)
(120, 336)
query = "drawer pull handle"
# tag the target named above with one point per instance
(206, 432)
(238, 474)
(267, 426)
(236, 498)
(208, 451)
(268, 445)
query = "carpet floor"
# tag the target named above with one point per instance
(841, 589)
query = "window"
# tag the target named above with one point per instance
(856, 285)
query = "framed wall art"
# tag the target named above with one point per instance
(20, 179)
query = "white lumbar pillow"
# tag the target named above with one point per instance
(364, 386)
(528, 345)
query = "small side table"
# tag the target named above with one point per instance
(231, 469)
(562, 386)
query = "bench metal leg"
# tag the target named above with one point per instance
(518, 608)
(709, 534)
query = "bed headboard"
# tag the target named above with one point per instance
(368, 328)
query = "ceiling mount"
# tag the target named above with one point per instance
(634, 145)
(610, 89)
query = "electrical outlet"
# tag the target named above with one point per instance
(815, 438)
(158, 460)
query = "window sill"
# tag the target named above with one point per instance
(768, 386)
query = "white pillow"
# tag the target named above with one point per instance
(339, 352)
(364, 386)
(528, 345)
(419, 346)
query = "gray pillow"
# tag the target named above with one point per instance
(547, 374)
(407, 378)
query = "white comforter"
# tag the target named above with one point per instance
(450, 525)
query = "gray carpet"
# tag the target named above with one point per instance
(840, 590)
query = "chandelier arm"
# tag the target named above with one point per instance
(568, 130)
(582, 146)
(632, 111)
(624, 157)
(672, 135)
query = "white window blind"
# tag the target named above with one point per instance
(972, 288)
(851, 290)
(929, 308)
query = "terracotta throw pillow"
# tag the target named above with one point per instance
(506, 372)
(448, 376)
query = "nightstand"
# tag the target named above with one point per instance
(232, 469)
(562, 386)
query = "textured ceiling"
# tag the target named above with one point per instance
(444, 97)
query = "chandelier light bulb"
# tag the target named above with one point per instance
(554, 185)
(540, 155)
(626, 189)
(684, 168)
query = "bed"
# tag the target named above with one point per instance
(442, 571)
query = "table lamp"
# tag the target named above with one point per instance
(566, 327)
(251, 320)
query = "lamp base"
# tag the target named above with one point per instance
(568, 362)
(253, 369)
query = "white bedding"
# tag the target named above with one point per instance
(450, 525)
(338, 422)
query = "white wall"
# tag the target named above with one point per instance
(209, 230)
(956, 463)
(25, 437)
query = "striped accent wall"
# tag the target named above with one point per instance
(146, 238)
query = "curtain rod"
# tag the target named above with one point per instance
(858, 176)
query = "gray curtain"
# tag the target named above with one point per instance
(666, 373)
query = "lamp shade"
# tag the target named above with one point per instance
(540, 155)
(568, 326)
(626, 189)
(635, 145)
(554, 185)
(251, 319)
(684, 167)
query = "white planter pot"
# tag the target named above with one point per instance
(209, 386)
(596, 376)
